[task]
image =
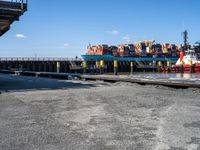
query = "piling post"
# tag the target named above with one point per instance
(115, 67)
(50, 67)
(97, 66)
(0, 65)
(102, 67)
(39, 66)
(58, 67)
(45, 67)
(84, 65)
(168, 66)
(28, 66)
(4, 65)
(182, 67)
(132, 65)
(34, 66)
(159, 66)
(191, 67)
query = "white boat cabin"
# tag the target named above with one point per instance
(189, 56)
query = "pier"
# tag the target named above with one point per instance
(65, 65)
(99, 65)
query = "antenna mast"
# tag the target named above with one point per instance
(185, 40)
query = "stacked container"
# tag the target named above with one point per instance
(157, 50)
(124, 51)
(131, 50)
(141, 49)
(114, 50)
(166, 50)
(99, 50)
(175, 50)
(148, 46)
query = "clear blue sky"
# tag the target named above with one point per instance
(64, 28)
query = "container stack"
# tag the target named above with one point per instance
(99, 50)
(140, 49)
(114, 51)
(175, 50)
(147, 48)
(157, 50)
(166, 50)
(124, 51)
(131, 50)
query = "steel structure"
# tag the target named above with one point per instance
(38, 59)
(10, 11)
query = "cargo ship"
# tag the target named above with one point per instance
(142, 51)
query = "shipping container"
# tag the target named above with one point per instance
(124, 51)
(99, 50)
(114, 50)
(145, 48)
(131, 50)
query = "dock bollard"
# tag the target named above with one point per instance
(115, 67)
(97, 66)
(132, 65)
(191, 67)
(182, 67)
(101, 67)
(84, 65)
(159, 66)
(58, 67)
(168, 66)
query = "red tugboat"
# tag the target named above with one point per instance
(188, 61)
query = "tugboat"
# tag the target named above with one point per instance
(188, 61)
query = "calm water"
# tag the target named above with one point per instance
(195, 76)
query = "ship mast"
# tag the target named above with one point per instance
(185, 40)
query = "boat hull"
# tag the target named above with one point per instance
(186, 68)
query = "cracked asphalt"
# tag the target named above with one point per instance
(50, 114)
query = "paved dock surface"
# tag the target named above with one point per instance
(170, 80)
(50, 114)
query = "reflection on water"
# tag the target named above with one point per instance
(194, 76)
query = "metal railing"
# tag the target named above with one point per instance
(23, 3)
(38, 59)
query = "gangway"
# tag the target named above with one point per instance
(74, 65)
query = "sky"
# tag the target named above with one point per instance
(64, 28)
